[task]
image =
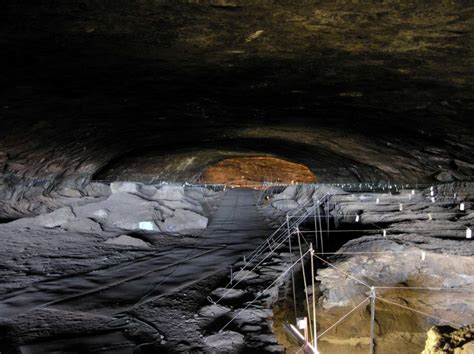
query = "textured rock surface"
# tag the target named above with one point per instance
(354, 90)
(413, 249)
(126, 240)
(250, 171)
(90, 234)
(449, 340)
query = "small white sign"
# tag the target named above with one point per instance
(423, 255)
(401, 207)
(384, 233)
(357, 218)
(146, 225)
(468, 233)
(462, 207)
(302, 323)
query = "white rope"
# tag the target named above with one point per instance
(285, 238)
(262, 292)
(343, 272)
(418, 311)
(305, 283)
(343, 317)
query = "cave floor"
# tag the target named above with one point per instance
(236, 228)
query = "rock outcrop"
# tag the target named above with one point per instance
(446, 339)
(413, 246)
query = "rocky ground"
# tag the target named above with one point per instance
(108, 236)
(446, 339)
(402, 242)
(127, 221)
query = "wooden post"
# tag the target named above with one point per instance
(372, 320)
(315, 337)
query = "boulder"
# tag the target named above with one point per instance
(114, 213)
(70, 193)
(147, 190)
(288, 193)
(56, 218)
(243, 275)
(124, 187)
(274, 348)
(213, 311)
(227, 341)
(95, 189)
(228, 294)
(304, 194)
(251, 316)
(285, 205)
(181, 204)
(184, 221)
(125, 240)
(169, 192)
(82, 226)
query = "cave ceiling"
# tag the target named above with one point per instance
(359, 90)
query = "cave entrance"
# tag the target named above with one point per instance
(253, 171)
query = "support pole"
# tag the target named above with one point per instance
(326, 210)
(372, 320)
(315, 337)
(315, 224)
(320, 228)
(292, 269)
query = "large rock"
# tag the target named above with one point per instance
(305, 194)
(288, 193)
(87, 226)
(285, 205)
(182, 204)
(184, 221)
(125, 240)
(226, 341)
(56, 218)
(124, 187)
(123, 211)
(445, 339)
(169, 192)
(213, 311)
(251, 316)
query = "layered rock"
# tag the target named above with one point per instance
(96, 232)
(446, 339)
(412, 246)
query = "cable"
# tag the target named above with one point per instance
(262, 292)
(418, 311)
(343, 317)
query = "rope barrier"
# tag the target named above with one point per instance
(343, 272)
(343, 317)
(418, 311)
(262, 292)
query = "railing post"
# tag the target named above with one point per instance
(315, 336)
(292, 269)
(372, 320)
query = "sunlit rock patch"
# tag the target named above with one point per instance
(250, 171)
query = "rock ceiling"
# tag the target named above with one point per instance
(354, 90)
